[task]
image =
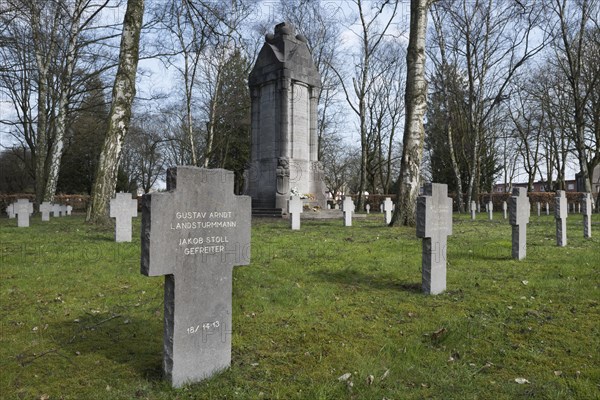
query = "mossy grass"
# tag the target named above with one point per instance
(79, 321)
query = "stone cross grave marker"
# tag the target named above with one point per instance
(368, 208)
(123, 208)
(478, 207)
(561, 214)
(539, 208)
(23, 209)
(490, 207)
(434, 224)
(547, 208)
(63, 210)
(45, 209)
(586, 208)
(387, 208)
(504, 208)
(195, 234)
(69, 210)
(295, 206)
(519, 210)
(348, 208)
(10, 210)
(473, 210)
(55, 210)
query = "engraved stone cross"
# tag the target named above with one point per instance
(348, 208)
(434, 224)
(561, 214)
(195, 234)
(387, 208)
(45, 209)
(295, 206)
(586, 209)
(23, 209)
(123, 208)
(519, 210)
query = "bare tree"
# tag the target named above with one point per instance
(573, 19)
(490, 41)
(374, 26)
(120, 113)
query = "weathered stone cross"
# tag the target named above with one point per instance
(295, 206)
(586, 209)
(123, 208)
(45, 209)
(434, 224)
(56, 210)
(561, 214)
(194, 235)
(23, 209)
(520, 210)
(348, 209)
(387, 208)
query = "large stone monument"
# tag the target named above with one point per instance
(284, 88)
(519, 211)
(195, 234)
(434, 224)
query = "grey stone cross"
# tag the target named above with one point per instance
(56, 210)
(368, 208)
(490, 207)
(561, 213)
(539, 208)
(434, 224)
(123, 208)
(348, 208)
(473, 210)
(295, 206)
(23, 209)
(387, 208)
(10, 210)
(519, 208)
(586, 208)
(195, 234)
(504, 208)
(45, 209)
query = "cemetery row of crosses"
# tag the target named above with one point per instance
(198, 230)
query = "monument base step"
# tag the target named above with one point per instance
(267, 212)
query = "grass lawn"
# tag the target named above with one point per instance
(79, 321)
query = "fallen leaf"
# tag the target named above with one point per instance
(524, 282)
(385, 374)
(558, 373)
(345, 377)
(370, 380)
(521, 381)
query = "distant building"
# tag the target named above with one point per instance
(595, 181)
(539, 186)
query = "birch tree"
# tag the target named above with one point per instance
(120, 113)
(416, 105)
(373, 27)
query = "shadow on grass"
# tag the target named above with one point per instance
(129, 341)
(368, 281)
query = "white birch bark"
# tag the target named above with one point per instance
(416, 105)
(120, 113)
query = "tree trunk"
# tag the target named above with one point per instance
(61, 120)
(120, 114)
(416, 105)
